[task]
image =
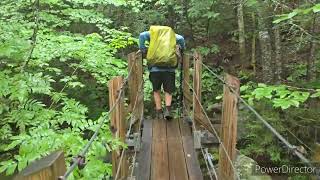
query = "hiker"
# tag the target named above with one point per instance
(162, 62)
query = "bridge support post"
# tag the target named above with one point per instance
(229, 128)
(118, 125)
(197, 63)
(135, 82)
(197, 111)
(187, 98)
(197, 114)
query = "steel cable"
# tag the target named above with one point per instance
(215, 132)
(273, 131)
(94, 136)
(130, 127)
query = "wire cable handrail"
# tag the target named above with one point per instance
(84, 151)
(273, 130)
(130, 128)
(202, 150)
(215, 132)
(135, 152)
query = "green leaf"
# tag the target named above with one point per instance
(244, 88)
(22, 164)
(3, 168)
(12, 145)
(317, 94)
(316, 8)
(11, 168)
(218, 97)
(292, 14)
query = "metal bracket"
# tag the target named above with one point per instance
(197, 139)
(208, 138)
(134, 141)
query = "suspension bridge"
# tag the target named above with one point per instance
(158, 149)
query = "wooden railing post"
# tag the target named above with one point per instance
(229, 128)
(197, 112)
(50, 167)
(197, 85)
(135, 83)
(187, 98)
(118, 124)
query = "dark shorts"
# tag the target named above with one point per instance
(167, 79)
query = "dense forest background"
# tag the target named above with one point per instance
(56, 57)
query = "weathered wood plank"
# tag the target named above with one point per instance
(47, 168)
(160, 165)
(173, 130)
(185, 129)
(144, 157)
(177, 164)
(191, 159)
(159, 130)
(229, 128)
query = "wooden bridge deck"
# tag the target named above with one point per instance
(167, 152)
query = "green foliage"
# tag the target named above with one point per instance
(280, 96)
(57, 101)
(211, 87)
(296, 12)
(214, 49)
(258, 142)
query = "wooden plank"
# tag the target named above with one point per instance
(191, 159)
(159, 166)
(118, 124)
(177, 164)
(144, 157)
(47, 168)
(159, 130)
(185, 129)
(229, 128)
(173, 130)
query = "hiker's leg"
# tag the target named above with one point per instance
(168, 99)
(169, 88)
(157, 99)
(155, 78)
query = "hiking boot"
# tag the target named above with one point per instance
(168, 114)
(159, 114)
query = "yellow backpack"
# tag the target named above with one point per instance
(162, 48)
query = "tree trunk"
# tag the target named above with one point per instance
(186, 14)
(266, 56)
(314, 48)
(265, 43)
(253, 48)
(172, 15)
(242, 41)
(278, 57)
